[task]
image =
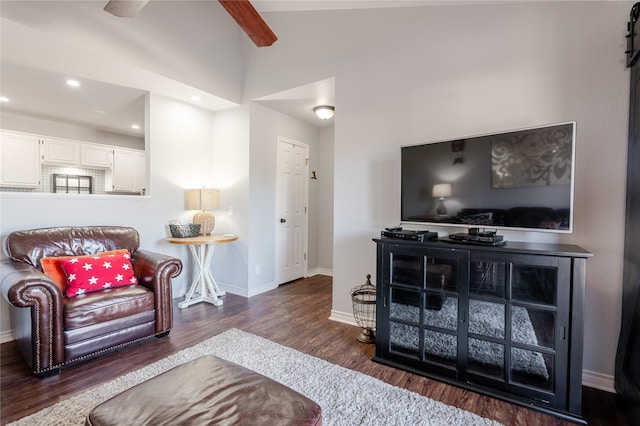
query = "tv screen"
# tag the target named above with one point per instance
(521, 179)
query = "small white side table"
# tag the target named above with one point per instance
(202, 248)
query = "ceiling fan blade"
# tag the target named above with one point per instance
(243, 12)
(125, 8)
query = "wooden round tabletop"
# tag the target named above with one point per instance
(204, 239)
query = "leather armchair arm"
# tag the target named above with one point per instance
(39, 330)
(154, 271)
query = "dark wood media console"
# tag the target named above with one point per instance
(504, 321)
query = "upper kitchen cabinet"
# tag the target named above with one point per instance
(59, 151)
(96, 156)
(19, 160)
(63, 152)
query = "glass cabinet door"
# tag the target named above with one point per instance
(423, 303)
(513, 323)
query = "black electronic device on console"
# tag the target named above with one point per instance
(481, 233)
(420, 236)
(488, 238)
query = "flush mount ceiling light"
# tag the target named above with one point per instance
(324, 112)
(73, 83)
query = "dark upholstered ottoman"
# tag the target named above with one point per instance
(207, 391)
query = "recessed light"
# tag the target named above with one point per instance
(195, 98)
(135, 126)
(73, 83)
(4, 99)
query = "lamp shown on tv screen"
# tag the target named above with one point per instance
(520, 179)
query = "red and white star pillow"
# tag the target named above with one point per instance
(94, 273)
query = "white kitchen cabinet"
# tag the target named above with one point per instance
(128, 173)
(140, 172)
(61, 152)
(19, 160)
(96, 156)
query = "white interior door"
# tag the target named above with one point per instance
(291, 210)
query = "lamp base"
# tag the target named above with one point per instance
(206, 220)
(442, 209)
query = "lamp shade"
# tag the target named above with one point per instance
(442, 190)
(202, 199)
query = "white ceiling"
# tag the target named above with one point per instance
(42, 92)
(300, 101)
(45, 94)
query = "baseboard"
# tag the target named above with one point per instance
(604, 382)
(238, 291)
(241, 291)
(343, 318)
(320, 271)
(6, 336)
(262, 289)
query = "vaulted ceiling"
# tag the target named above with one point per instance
(175, 48)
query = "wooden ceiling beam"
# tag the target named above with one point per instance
(248, 18)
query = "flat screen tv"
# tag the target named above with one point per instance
(521, 179)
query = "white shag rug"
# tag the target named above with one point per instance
(347, 397)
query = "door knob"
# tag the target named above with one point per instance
(283, 220)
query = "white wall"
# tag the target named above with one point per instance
(231, 165)
(180, 158)
(410, 75)
(266, 125)
(321, 205)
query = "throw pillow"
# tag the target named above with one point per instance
(53, 268)
(94, 273)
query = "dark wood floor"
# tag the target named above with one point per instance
(295, 315)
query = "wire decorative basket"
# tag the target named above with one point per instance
(364, 310)
(185, 231)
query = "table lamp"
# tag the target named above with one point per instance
(441, 191)
(203, 200)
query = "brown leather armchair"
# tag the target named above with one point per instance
(53, 330)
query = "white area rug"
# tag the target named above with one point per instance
(347, 397)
